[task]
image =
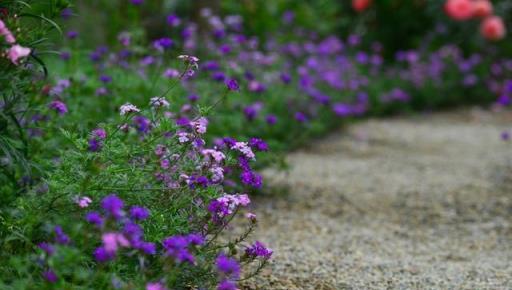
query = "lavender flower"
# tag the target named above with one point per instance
(50, 276)
(232, 85)
(139, 213)
(159, 102)
(102, 255)
(258, 249)
(127, 109)
(47, 248)
(229, 267)
(227, 285)
(60, 236)
(113, 205)
(59, 107)
(155, 286)
(94, 218)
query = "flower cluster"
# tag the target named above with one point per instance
(16, 51)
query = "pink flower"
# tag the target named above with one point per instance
(83, 202)
(482, 8)
(112, 241)
(492, 28)
(250, 216)
(155, 286)
(4, 31)
(127, 109)
(16, 52)
(361, 5)
(459, 9)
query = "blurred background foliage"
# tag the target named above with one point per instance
(396, 24)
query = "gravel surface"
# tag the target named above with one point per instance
(407, 203)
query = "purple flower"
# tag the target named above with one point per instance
(47, 248)
(66, 13)
(94, 218)
(65, 55)
(342, 110)
(113, 205)
(59, 107)
(105, 79)
(229, 267)
(300, 117)
(193, 98)
(163, 43)
(258, 249)
(147, 247)
(102, 255)
(173, 20)
(211, 65)
(285, 78)
(232, 85)
(227, 285)
(258, 144)
(50, 276)
(142, 124)
(99, 133)
(505, 136)
(60, 236)
(183, 121)
(271, 119)
(195, 239)
(219, 76)
(252, 111)
(251, 178)
(94, 145)
(139, 213)
(137, 2)
(134, 232)
(176, 247)
(504, 100)
(72, 34)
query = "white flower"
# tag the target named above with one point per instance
(127, 109)
(159, 102)
(189, 59)
(183, 137)
(83, 202)
(244, 149)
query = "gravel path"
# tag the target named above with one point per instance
(407, 203)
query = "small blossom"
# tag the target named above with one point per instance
(113, 205)
(83, 202)
(50, 276)
(190, 60)
(128, 108)
(139, 213)
(16, 52)
(102, 255)
(94, 218)
(232, 85)
(229, 267)
(112, 241)
(250, 216)
(227, 285)
(243, 148)
(183, 137)
(47, 248)
(258, 249)
(59, 107)
(60, 236)
(155, 286)
(159, 102)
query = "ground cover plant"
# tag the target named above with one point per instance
(124, 161)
